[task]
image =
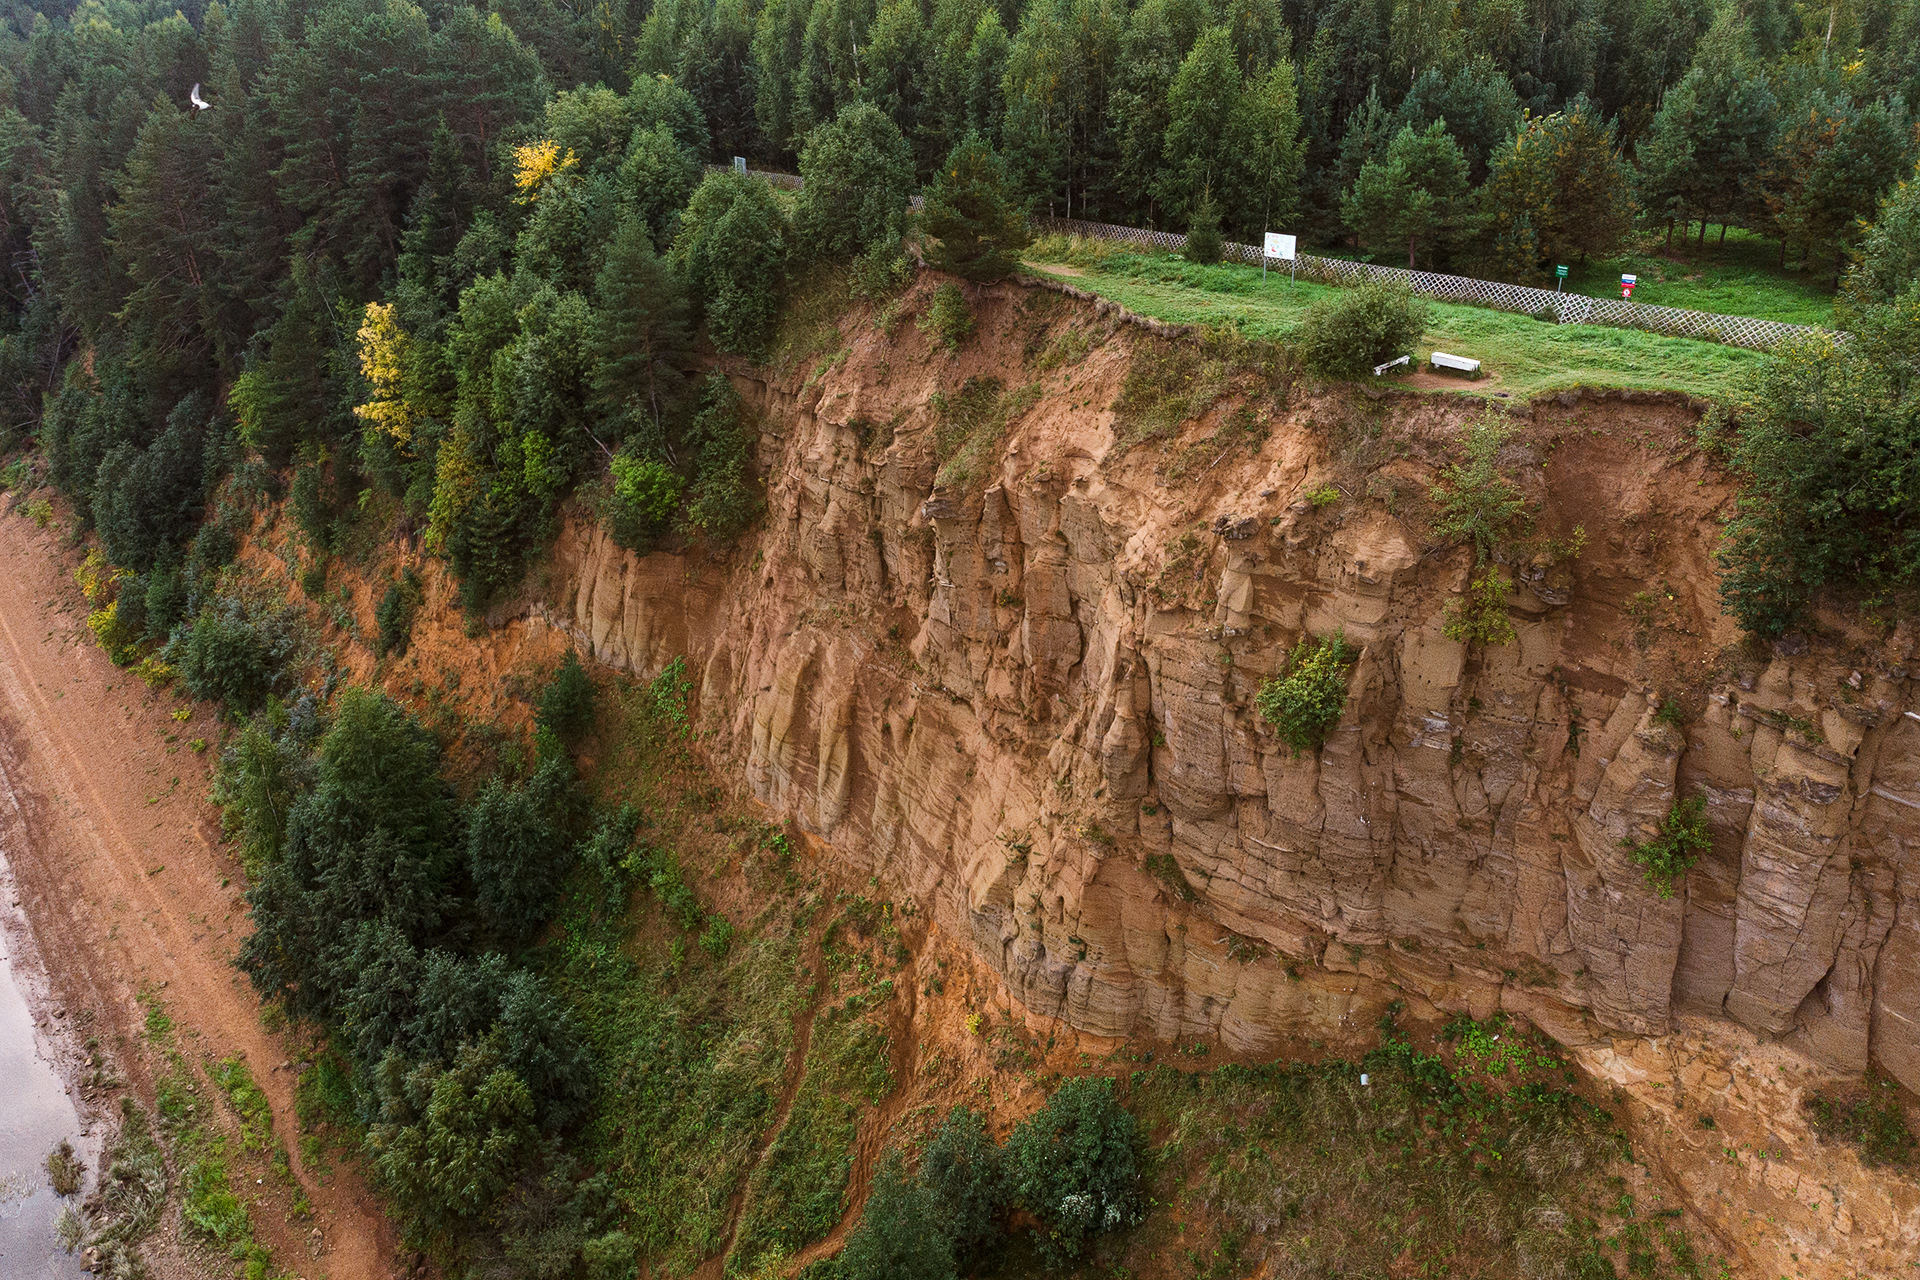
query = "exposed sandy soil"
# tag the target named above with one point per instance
(127, 889)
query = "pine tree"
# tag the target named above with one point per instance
(1830, 165)
(973, 227)
(1559, 190)
(1417, 195)
(1203, 231)
(1478, 103)
(1710, 137)
(642, 342)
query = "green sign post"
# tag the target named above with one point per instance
(1560, 275)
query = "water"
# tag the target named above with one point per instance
(35, 1114)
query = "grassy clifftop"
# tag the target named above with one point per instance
(1521, 357)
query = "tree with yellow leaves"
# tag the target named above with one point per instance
(536, 162)
(385, 350)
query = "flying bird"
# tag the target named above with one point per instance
(193, 96)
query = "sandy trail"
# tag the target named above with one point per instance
(120, 876)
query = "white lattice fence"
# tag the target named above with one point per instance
(1565, 308)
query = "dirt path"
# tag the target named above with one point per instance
(120, 875)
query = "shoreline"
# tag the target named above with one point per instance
(126, 893)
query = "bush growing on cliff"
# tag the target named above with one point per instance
(1874, 1122)
(1304, 705)
(393, 616)
(1480, 616)
(1478, 504)
(1829, 449)
(948, 320)
(1347, 334)
(645, 495)
(566, 704)
(1075, 1166)
(1676, 846)
(723, 498)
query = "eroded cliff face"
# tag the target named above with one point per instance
(1027, 704)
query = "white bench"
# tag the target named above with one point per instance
(1456, 364)
(1382, 368)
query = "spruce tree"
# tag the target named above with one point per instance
(971, 223)
(642, 340)
(1416, 195)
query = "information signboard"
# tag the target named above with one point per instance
(1279, 246)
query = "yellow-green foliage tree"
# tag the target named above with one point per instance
(1559, 191)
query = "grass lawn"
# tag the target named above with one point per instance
(1740, 278)
(1519, 355)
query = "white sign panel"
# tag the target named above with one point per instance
(1279, 246)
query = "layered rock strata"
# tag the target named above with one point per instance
(1027, 701)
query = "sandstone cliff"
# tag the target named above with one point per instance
(1021, 694)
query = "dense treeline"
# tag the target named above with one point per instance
(460, 261)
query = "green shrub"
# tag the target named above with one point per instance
(1875, 1122)
(313, 579)
(880, 272)
(234, 654)
(313, 506)
(449, 1140)
(948, 320)
(1304, 706)
(1829, 455)
(1478, 503)
(209, 1206)
(962, 1171)
(1075, 1166)
(895, 1238)
(393, 616)
(645, 495)
(1347, 334)
(724, 499)
(1678, 844)
(717, 936)
(566, 704)
(609, 1257)
(1203, 232)
(1480, 616)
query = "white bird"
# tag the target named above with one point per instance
(193, 96)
